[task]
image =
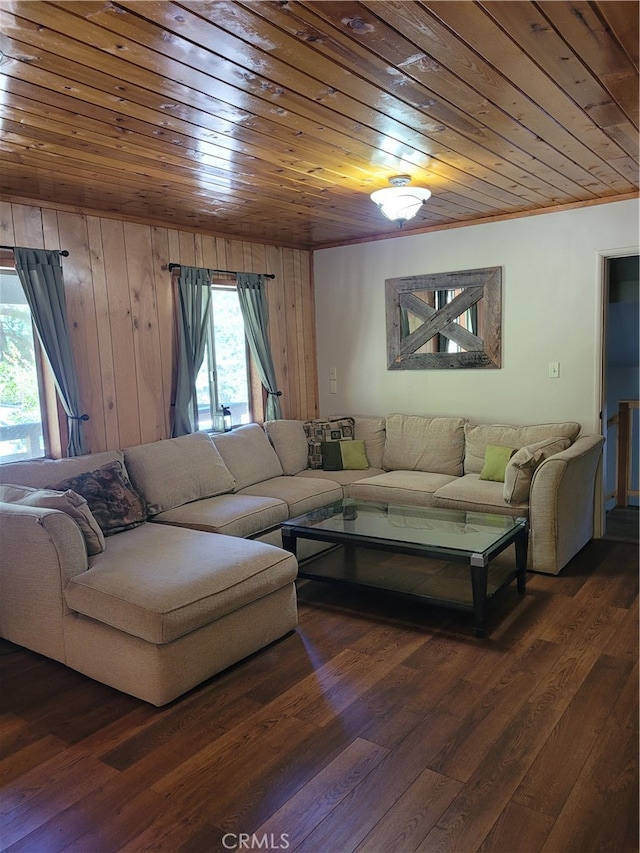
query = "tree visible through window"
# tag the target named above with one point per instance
(223, 379)
(21, 422)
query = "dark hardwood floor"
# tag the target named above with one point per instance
(379, 725)
(623, 524)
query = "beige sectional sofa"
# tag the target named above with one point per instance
(436, 461)
(179, 573)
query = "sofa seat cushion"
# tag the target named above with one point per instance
(415, 443)
(344, 478)
(301, 494)
(234, 515)
(472, 493)
(174, 471)
(159, 583)
(414, 488)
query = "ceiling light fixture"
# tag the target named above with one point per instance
(400, 202)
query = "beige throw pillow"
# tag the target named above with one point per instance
(520, 468)
(68, 502)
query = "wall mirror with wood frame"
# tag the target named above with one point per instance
(445, 320)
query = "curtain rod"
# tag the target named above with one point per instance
(228, 272)
(63, 252)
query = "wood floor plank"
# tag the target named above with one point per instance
(624, 642)
(412, 816)
(601, 813)
(180, 730)
(384, 714)
(12, 734)
(472, 814)
(296, 770)
(44, 791)
(128, 819)
(350, 822)
(323, 792)
(34, 751)
(484, 722)
(96, 813)
(610, 585)
(515, 824)
(173, 830)
(551, 777)
(249, 792)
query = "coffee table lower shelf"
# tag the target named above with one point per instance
(458, 541)
(418, 578)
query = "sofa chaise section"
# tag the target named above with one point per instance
(195, 604)
(161, 607)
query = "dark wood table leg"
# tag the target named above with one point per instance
(479, 579)
(289, 541)
(522, 547)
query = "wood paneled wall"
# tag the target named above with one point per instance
(118, 292)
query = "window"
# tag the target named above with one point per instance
(223, 379)
(21, 415)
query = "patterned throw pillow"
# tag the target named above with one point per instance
(115, 504)
(336, 429)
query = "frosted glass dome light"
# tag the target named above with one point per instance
(400, 202)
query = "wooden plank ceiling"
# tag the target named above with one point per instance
(273, 121)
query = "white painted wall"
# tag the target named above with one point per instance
(552, 311)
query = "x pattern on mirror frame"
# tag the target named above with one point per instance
(445, 320)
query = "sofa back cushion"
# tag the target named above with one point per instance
(372, 431)
(290, 443)
(249, 456)
(176, 471)
(416, 443)
(478, 436)
(39, 473)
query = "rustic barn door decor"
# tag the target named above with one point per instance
(450, 320)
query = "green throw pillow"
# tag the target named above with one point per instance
(496, 458)
(348, 455)
(354, 456)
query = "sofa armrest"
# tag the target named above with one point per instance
(41, 550)
(561, 503)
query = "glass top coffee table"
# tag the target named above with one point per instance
(445, 536)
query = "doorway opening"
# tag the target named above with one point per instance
(620, 412)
